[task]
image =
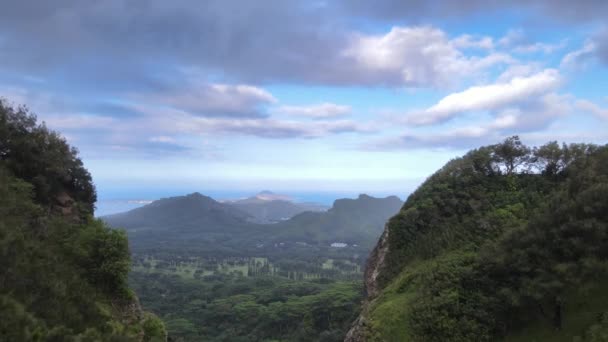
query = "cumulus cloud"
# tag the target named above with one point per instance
(488, 97)
(530, 117)
(469, 41)
(415, 56)
(142, 54)
(516, 41)
(316, 111)
(539, 47)
(579, 56)
(519, 70)
(144, 43)
(218, 100)
(590, 107)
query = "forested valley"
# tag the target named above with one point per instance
(213, 274)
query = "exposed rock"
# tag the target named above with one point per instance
(374, 265)
(357, 332)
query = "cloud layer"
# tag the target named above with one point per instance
(160, 77)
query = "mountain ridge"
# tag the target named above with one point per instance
(220, 226)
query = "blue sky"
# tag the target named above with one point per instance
(340, 97)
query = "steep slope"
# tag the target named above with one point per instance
(63, 274)
(267, 207)
(506, 243)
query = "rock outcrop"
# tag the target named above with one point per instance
(373, 267)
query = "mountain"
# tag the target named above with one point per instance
(507, 243)
(199, 225)
(64, 273)
(187, 224)
(352, 221)
(193, 211)
(268, 207)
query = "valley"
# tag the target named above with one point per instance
(230, 270)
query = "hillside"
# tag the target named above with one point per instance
(193, 211)
(506, 243)
(63, 274)
(357, 221)
(267, 207)
(198, 225)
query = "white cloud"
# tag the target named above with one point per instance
(518, 70)
(576, 57)
(534, 116)
(316, 111)
(417, 56)
(218, 99)
(173, 122)
(590, 107)
(162, 139)
(539, 47)
(468, 41)
(488, 97)
(517, 41)
(512, 38)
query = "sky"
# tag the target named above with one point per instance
(342, 97)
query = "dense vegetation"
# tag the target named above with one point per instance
(63, 274)
(507, 242)
(227, 307)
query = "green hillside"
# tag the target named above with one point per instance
(506, 243)
(357, 221)
(63, 274)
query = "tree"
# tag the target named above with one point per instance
(43, 158)
(512, 153)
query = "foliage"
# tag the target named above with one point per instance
(236, 308)
(42, 158)
(154, 328)
(505, 236)
(64, 274)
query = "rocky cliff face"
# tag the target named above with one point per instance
(373, 267)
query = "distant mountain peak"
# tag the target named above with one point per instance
(195, 194)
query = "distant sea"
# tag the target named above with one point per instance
(120, 202)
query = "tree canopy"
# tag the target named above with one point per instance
(506, 237)
(64, 274)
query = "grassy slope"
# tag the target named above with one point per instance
(387, 315)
